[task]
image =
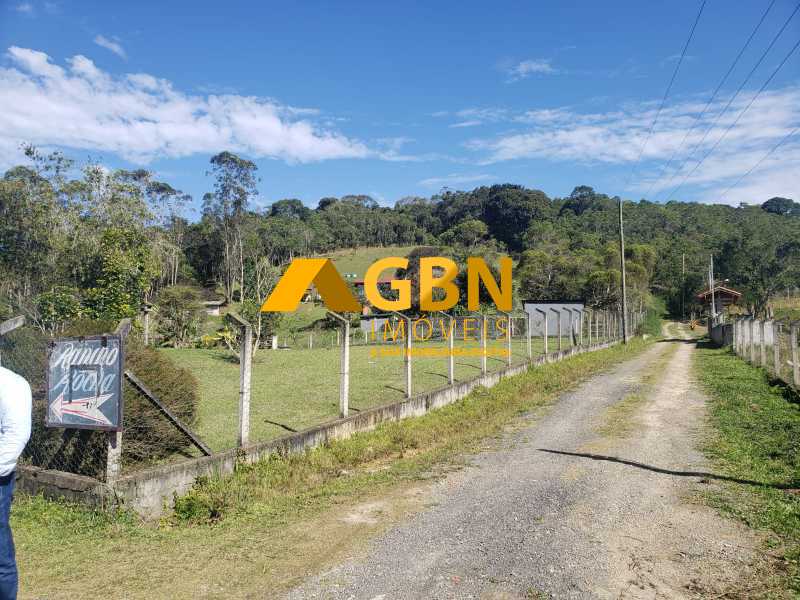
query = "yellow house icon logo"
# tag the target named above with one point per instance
(302, 272)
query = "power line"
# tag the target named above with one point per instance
(761, 160)
(699, 117)
(730, 101)
(667, 91)
(732, 125)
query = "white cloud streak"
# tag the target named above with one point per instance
(111, 45)
(140, 117)
(614, 138)
(532, 66)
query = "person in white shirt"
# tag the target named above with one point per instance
(15, 430)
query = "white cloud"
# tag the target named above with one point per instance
(140, 117)
(112, 45)
(614, 138)
(454, 179)
(24, 8)
(533, 66)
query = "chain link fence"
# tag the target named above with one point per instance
(203, 400)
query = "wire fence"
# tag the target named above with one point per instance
(198, 401)
(771, 344)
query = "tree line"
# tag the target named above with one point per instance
(83, 241)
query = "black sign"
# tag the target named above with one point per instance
(84, 383)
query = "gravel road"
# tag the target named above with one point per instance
(585, 501)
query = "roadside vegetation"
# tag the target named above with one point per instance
(756, 439)
(262, 512)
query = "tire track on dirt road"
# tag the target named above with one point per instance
(555, 513)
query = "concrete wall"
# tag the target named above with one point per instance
(722, 335)
(152, 491)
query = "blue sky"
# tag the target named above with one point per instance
(397, 99)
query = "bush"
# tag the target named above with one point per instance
(147, 435)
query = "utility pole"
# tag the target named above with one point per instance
(683, 286)
(711, 287)
(622, 269)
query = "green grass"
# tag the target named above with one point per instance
(265, 526)
(299, 388)
(787, 308)
(359, 260)
(757, 438)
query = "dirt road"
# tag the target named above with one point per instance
(592, 499)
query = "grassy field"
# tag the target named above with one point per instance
(757, 439)
(787, 308)
(295, 389)
(358, 260)
(260, 530)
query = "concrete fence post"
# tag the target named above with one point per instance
(310, 340)
(560, 341)
(544, 330)
(344, 364)
(754, 327)
(245, 374)
(451, 366)
(344, 380)
(274, 342)
(776, 348)
(484, 348)
(146, 325)
(589, 325)
(762, 330)
(508, 338)
(795, 362)
(114, 438)
(528, 331)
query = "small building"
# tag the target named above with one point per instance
(723, 298)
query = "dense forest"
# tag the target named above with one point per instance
(81, 241)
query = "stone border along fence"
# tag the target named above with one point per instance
(152, 491)
(770, 344)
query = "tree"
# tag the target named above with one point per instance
(234, 184)
(781, 206)
(180, 312)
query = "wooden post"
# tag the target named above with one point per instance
(795, 362)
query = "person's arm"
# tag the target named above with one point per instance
(15, 423)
